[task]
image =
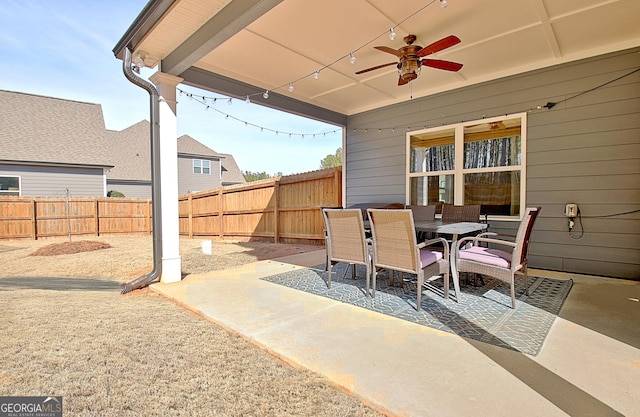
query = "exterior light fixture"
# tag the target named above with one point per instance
(138, 61)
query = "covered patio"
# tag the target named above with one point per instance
(569, 72)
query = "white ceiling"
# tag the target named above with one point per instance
(295, 38)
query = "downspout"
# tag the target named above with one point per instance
(147, 279)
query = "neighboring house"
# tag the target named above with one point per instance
(54, 147)
(200, 168)
(51, 147)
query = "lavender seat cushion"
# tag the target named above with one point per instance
(428, 257)
(488, 256)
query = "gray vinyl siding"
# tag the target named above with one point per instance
(130, 189)
(585, 150)
(188, 182)
(49, 181)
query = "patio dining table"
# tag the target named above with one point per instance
(454, 230)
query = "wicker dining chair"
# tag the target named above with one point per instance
(423, 214)
(346, 242)
(395, 249)
(494, 262)
(466, 213)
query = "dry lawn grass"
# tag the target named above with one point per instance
(66, 330)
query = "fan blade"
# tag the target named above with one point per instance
(389, 50)
(437, 46)
(376, 67)
(443, 65)
(402, 81)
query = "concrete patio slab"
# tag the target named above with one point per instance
(404, 369)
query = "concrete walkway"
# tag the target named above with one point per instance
(589, 365)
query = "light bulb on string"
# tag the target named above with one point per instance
(316, 74)
(443, 4)
(229, 102)
(352, 58)
(392, 34)
(290, 88)
(247, 100)
(265, 95)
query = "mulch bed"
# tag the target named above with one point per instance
(67, 248)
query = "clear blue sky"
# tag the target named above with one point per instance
(63, 48)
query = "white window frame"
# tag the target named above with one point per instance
(459, 171)
(201, 166)
(12, 192)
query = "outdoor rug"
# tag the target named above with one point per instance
(484, 312)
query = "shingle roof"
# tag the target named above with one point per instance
(50, 130)
(231, 173)
(189, 146)
(39, 129)
(130, 149)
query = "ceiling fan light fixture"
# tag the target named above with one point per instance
(409, 69)
(392, 34)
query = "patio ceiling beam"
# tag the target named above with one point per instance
(230, 20)
(206, 80)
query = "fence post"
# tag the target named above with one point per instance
(190, 211)
(97, 217)
(149, 215)
(276, 211)
(34, 222)
(221, 216)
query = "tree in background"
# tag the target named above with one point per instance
(331, 161)
(255, 176)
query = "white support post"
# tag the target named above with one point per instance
(171, 263)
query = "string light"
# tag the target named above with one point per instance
(316, 74)
(203, 100)
(351, 55)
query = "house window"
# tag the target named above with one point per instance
(201, 166)
(480, 162)
(9, 185)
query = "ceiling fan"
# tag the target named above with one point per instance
(410, 58)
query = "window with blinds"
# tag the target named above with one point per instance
(477, 162)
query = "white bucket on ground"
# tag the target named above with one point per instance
(206, 247)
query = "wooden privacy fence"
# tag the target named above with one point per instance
(41, 217)
(285, 209)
